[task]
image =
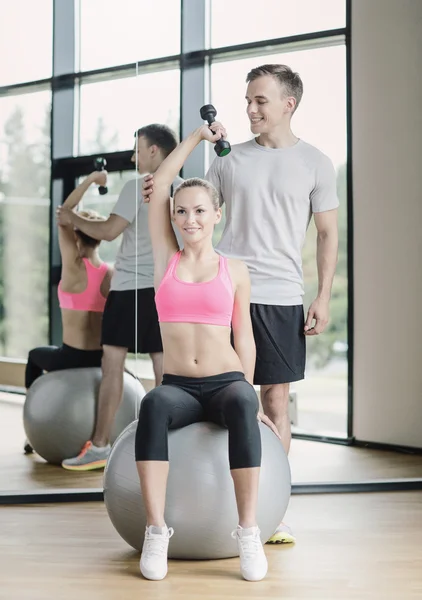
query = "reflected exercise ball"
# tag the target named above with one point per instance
(60, 410)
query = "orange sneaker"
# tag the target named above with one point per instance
(90, 458)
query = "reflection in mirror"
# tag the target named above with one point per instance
(24, 227)
(84, 266)
(24, 241)
(122, 26)
(144, 99)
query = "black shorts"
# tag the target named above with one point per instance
(280, 343)
(119, 321)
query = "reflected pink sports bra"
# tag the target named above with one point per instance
(207, 302)
(91, 299)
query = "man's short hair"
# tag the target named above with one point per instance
(285, 76)
(159, 135)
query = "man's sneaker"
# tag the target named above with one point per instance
(283, 535)
(153, 562)
(91, 457)
(253, 562)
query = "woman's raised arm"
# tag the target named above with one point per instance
(67, 242)
(164, 243)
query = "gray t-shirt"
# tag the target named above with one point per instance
(270, 195)
(131, 271)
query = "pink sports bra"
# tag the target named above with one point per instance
(91, 299)
(207, 302)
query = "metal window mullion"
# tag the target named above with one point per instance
(193, 78)
(62, 139)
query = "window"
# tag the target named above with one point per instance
(26, 41)
(321, 116)
(128, 31)
(111, 111)
(237, 22)
(321, 121)
(24, 221)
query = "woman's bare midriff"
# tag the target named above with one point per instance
(195, 350)
(82, 329)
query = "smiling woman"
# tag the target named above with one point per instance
(200, 297)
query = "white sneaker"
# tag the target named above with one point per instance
(153, 562)
(253, 562)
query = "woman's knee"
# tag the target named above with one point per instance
(149, 404)
(244, 434)
(151, 436)
(156, 405)
(242, 402)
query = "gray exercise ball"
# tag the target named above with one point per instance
(60, 409)
(200, 504)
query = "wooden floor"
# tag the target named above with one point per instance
(310, 462)
(360, 547)
(30, 472)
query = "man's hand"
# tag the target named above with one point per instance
(318, 311)
(63, 216)
(267, 421)
(211, 133)
(147, 187)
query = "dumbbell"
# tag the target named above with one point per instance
(99, 165)
(208, 113)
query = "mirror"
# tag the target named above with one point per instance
(113, 104)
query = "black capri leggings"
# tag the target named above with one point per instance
(227, 400)
(54, 358)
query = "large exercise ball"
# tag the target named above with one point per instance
(60, 410)
(201, 504)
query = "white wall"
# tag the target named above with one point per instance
(387, 180)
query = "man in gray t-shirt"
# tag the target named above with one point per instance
(272, 185)
(130, 321)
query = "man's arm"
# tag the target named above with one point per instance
(213, 175)
(327, 251)
(99, 230)
(123, 213)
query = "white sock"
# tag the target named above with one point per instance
(94, 447)
(158, 530)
